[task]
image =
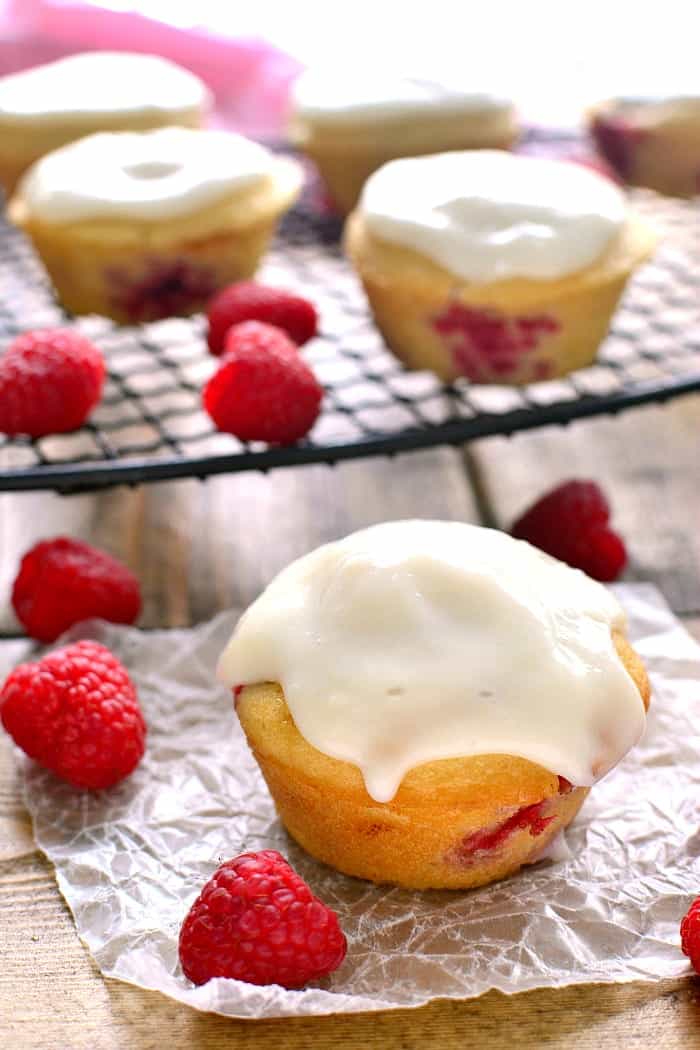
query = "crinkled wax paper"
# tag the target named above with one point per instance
(129, 862)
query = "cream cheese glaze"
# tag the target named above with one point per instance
(488, 215)
(413, 641)
(149, 175)
(382, 95)
(98, 83)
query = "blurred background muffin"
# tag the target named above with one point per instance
(500, 268)
(351, 124)
(143, 225)
(50, 105)
(652, 142)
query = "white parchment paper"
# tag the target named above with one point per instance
(129, 862)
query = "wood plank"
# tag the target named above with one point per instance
(648, 463)
(199, 547)
(58, 999)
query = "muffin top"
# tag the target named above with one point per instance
(98, 84)
(651, 109)
(414, 641)
(654, 94)
(489, 215)
(375, 95)
(145, 176)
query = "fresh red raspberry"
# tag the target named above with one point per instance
(50, 380)
(264, 390)
(249, 301)
(690, 934)
(571, 523)
(76, 713)
(256, 920)
(63, 581)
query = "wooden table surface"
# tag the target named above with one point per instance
(200, 547)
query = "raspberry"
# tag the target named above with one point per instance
(256, 920)
(263, 390)
(486, 840)
(63, 581)
(50, 380)
(165, 288)
(76, 713)
(571, 523)
(690, 934)
(249, 301)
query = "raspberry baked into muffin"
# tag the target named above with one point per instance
(500, 268)
(653, 142)
(48, 106)
(139, 226)
(430, 702)
(350, 123)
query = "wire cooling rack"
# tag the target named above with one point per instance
(150, 425)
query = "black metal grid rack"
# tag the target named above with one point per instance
(150, 425)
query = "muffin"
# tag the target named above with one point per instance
(350, 124)
(500, 268)
(430, 702)
(140, 226)
(48, 106)
(653, 142)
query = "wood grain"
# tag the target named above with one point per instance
(58, 999)
(198, 547)
(201, 547)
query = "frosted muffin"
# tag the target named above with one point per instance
(350, 123)
(653, 142)
(139, 226)
(500, 268)
(48, 106)
(430, 702)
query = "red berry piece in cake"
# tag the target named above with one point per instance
(250, 301)
(166, 288)
(488, 346)
(617, 142)
(572, 523)
(690, 934)
(50, 380)
(256, 920)
(475, 846)
(535, 819)
(263, 389)
(64, 581)
(76, 713)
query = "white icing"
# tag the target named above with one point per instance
(100, 83)
(419, 640)
(362, 95)
(488, 215)
(150, 175)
